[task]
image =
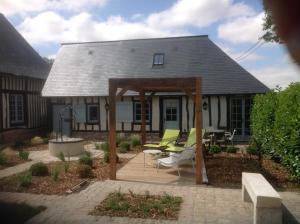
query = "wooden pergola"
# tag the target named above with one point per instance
(144, 86)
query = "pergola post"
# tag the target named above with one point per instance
(199, 155)
(112, 130)
(143, 117)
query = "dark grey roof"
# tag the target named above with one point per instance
(17, 56)
(83, 69)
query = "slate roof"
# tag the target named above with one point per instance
(83, 69)
(17, 56)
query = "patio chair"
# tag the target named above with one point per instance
(191, 141)
(229, 137)
(175, 159)
(170, 136)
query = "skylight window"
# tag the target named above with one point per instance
(158, 59)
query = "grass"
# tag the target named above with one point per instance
(18, 213)
(139, 206)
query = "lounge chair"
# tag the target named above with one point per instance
(170, 136)
(175, 159)
(191, 141)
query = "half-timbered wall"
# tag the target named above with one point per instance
(35, 107)
(215, 114)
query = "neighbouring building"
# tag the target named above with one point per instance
(23, 112)
(78, 86)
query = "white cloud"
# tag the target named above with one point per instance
(282, 74)
(49, 27)
(245, 29)
(197, 13)
(11, 7)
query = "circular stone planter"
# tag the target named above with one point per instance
(69, 146)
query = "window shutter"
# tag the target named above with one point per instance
(124, 111)
(80, 113)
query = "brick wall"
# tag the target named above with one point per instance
(11, 136)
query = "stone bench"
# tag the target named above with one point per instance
(266, 201)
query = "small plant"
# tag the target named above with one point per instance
(23, 155)
(55, 173)
(45, 140)
(106, 157)
(3, 158)
(252, 150)
(19, 143)
(87, 153)
(135, 140)
(66, 167)
(97, 146)
(36, 140)
(24, 180)
(84, 170)
(231, 149)
(86, 160)
(124, 147)
(39, 169)
(61, 156)
(120, 138)
(105, 146)
(213, 149)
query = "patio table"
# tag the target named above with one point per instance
(151, 152)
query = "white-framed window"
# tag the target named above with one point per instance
(16, 108)
(158, 59)
(92, 113)
(138, 112)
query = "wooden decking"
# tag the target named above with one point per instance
(134, 170)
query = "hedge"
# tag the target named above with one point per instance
(275, 126)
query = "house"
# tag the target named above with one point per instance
(23, 112)
(78, 86)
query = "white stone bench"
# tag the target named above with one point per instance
(266, 201)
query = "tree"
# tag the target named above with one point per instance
(270, 34)
(49, 61)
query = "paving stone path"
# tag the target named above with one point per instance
(201, 204)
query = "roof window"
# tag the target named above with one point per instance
(158, 59)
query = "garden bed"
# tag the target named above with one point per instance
(139, 206)
(40, 147)
(225, 170)
(66, 180)
(10, 158)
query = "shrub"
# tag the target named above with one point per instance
(88, 153)
(120, 138)
(55, 173)
(252, 150)
(3, 158)
(39, 169)
(106, 157)
(105, 146)
(135, 140)
(36, 140)
(97, 146)
(19, 143)
(86, 160)
(124, 147)
(61, 156)
(24, 180)
(84, 171)
(214, 149)
(45, 140)
(231, 149)
(23, 155)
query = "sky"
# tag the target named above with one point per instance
(235, 26)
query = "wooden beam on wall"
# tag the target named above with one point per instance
(199, 154)
(143, 117)
(112, 130)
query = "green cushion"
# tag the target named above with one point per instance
(170, 136)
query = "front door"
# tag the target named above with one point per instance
(171, 114)
(240, 117)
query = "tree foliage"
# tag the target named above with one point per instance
(275, 126)
(270, 34)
